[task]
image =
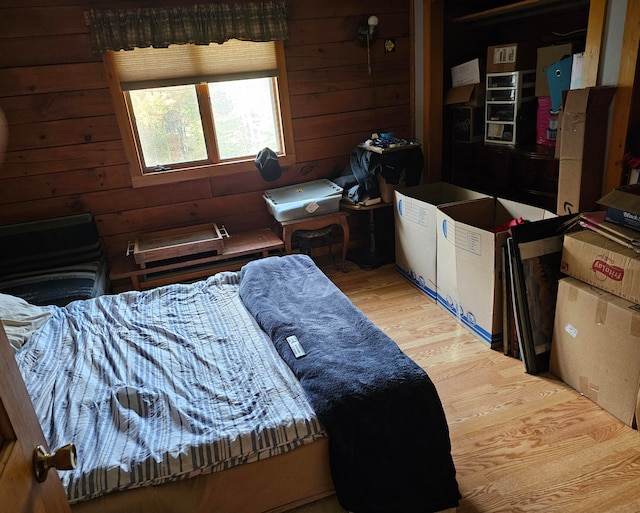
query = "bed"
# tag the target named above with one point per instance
(190, 397)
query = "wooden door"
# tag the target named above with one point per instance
(20, 433)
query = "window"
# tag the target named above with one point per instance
(188, 111)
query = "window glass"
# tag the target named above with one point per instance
(246, 117)
(169, 125)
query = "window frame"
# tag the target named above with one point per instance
(198, 170)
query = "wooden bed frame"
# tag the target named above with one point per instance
(273, 485)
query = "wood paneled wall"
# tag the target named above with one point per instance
(65, 154)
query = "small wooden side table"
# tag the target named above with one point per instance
(315, 223)
(375, 254)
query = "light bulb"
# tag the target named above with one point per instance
(373, 23)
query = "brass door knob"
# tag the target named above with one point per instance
(65, 458)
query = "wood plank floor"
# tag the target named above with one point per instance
(520, 443)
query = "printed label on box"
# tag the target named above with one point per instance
(413, 212)
(603, 269)
(504, 54)
(462, 238)
(416, 228)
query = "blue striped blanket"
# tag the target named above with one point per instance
(160, 385)
(388, 437)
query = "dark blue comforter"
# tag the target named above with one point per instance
(388, 436)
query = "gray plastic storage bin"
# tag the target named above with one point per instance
(301, 200)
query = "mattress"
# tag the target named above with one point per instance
(302, 200)
(160, 385)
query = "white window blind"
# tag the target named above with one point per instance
(144, 68)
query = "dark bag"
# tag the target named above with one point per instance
(365, 173)
(268, 165)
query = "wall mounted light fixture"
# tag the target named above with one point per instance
(366, 34)
(366, 31)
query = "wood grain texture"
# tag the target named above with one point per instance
(521, 443)
(66, 153)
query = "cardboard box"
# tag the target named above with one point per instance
(603, 263)
(468, 124)
(596, 347)
(415, 230)
(511, 57)
(585, 116)
(471, 95)
(469, 260)
(546, 56)
(623, 206)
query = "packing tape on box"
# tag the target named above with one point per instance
(635, 325)
(573, 294)
(589, 389)
(601, 313)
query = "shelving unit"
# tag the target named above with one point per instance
(505, 95)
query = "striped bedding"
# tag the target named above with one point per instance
(160, 385)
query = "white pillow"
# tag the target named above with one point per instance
(20, 319)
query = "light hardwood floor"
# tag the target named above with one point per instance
(520, 443)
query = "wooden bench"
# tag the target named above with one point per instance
(238, 249)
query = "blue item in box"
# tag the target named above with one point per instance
(559, 79)
(623, 206)
(302, 200)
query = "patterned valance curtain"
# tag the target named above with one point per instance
(125, 29)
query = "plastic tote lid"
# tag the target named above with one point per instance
(268, 165)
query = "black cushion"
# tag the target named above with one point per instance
(53, 261)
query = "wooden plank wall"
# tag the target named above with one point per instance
(65, 154)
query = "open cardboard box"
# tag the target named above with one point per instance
(596, 347)
(415, 230)
(470, 95)
(466, 102)
(467, 85)
(469, 260)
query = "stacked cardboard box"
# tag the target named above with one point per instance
(581, 148)
(466, 101)
(596, 337)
